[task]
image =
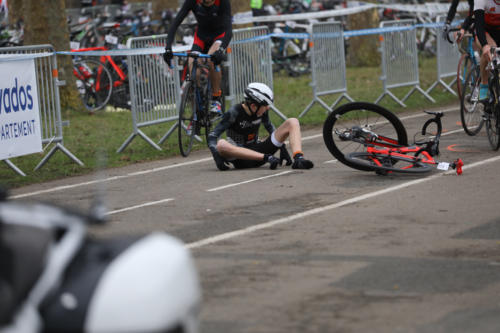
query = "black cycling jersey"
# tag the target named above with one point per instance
(453, 9)
(240, 127)
(212, 21)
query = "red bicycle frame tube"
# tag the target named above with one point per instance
(103, 60)
(402, 152)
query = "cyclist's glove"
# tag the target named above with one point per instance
(168, 56)
(219, 56)
(273, 161)
(301, 163)
(446, 29)
(220, 162)
(284, 156)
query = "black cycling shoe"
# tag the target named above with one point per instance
(301, 163)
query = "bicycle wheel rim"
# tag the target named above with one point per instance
(492, 129)
(471, 114)
(187, 124)
(366, 115)
(97, 83)
(387, 163)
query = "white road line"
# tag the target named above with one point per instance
(151, 203)
(247, 181)
(97, 181)
(291, 218)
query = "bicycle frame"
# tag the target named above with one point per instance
(380, 147)
(83, 74)
(200, 97)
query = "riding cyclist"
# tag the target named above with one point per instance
(212, 36)
(241, 124)
(487, 21)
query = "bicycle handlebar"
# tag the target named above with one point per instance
(192, 55)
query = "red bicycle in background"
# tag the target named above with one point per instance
(101, 81)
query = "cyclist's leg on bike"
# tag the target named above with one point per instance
(215, 79)
(485, 59)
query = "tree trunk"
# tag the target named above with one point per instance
(363, 50)
(45, 23)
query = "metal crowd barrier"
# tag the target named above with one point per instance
(400, 60)
(154, 89)
(447, 60)
(328, 70)
(48, 98)
(250, 61)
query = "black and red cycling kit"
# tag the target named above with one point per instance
(214, 23)
(243, 130)
(487, 17)
(453, 9)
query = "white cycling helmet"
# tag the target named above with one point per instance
(259, 93)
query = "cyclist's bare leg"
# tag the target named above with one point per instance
(290, 129)
(230, 151)
(215, 77)
(485, 59)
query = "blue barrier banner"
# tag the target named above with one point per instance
(20, 132)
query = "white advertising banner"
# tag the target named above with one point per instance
(20, 132)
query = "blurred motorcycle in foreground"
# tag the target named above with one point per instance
(54, 278)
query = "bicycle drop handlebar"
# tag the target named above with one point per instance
(196, 55)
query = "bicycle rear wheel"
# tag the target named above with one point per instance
(94, 83)
(471, 113)
(493, 127)
(187, 123)
(387, 163)
(368, 116)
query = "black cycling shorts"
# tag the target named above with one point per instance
(495, 34)
(264, 147)
(202, 43)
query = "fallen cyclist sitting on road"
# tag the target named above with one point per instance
(242, 147)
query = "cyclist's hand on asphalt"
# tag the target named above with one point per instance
(168, 56)
(284, 156)
(220, 162)
(218, 57)
(273, 161)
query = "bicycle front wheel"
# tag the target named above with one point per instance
(187, 123)
(368, 116)
(493, 127)
(470, 107)
(387, 163)
(94, 83)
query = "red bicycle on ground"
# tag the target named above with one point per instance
(368, 137)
